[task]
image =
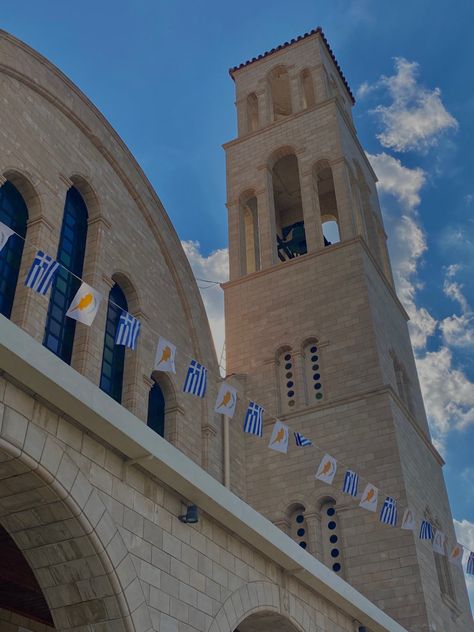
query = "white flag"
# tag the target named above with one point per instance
(279, 439)
(438, 542)
(165, 355)
(85, 304)
(5, 233)
(226, 400)
(370, 498)
(408, 520)
(327, 469)
(455, 557)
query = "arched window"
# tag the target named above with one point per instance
(14, 214)
(312, 369)
(402, 382)
(289, 222)
(249, 233)
(307, 89)
(327, 203)
(156, 410)
(298, 526)
(252, 112)
(113, 357)
(279, 82)
(59, 331)
(331, 536)
(285, 365)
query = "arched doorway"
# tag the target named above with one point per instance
(266, 622)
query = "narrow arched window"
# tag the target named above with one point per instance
(156, 410)
(327, 203)
(298, 526)
(113, 357)
(249, 234)
(312, 369)
(289, 219)
(307, 89)
(252, 112)
(280, 91)
(14, 214)
(285, 365)
(60, 330)
(331, 542)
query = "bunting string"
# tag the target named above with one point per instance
(84, 307)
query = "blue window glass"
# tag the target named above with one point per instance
(300, 533)
(336, 567)
(299, 518)
(333, 539)
(334, 552)
(331, 511)
(331, 525)
(113, 357)
(60, 330)
(14, 214)
(303, 545)
(156, 410)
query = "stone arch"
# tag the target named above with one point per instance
(70, 541)
(28, 190)
(87, 190)
(130, 291)
(280, 92)
(260, 598)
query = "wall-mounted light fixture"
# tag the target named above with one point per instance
(191, 516)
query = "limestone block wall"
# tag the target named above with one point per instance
(108, 549)
(53, 138)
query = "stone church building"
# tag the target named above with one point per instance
(100, 455)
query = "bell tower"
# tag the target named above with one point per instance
(315, 331)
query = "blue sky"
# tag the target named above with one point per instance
(158, 71)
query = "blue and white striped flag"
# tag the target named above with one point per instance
(127, 331)
(470, 564)
(388, 513)
(41, 273)
(254, 420)
(351, 483)
(196, 379)
(301, 441)
(426, 530)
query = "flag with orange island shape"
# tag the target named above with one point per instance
(165, 356)
(226, 400)
(279, 439)
(369, 498)
(327, 469)
(85, 304)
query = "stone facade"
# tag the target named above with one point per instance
(91, 497)
(340, 300)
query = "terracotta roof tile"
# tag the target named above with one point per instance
(286, 44)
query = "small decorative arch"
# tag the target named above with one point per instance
(250, 242)
(252, 113)
(326, 194)
(285, 370)
(280, 93)
(308, 97)
(89, 195)
(24, 184)
(14, 215)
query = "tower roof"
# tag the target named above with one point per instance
(318, 30)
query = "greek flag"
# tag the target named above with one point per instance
(470, 564)
(351, 483)
(254, 420)
(388, 514)
(301, 441)
(127, 331)
(41, 273)
(196, 379)
(426, 530)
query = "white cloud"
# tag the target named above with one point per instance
(457, 330)
(416, 116)
(403, 183)
(213, 267)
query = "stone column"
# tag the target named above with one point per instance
(262, 101)
(313, 524)
(295, 92)
(311, 212)
(343, 199)
(242, 126)
(266, 219)
(236, 250)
